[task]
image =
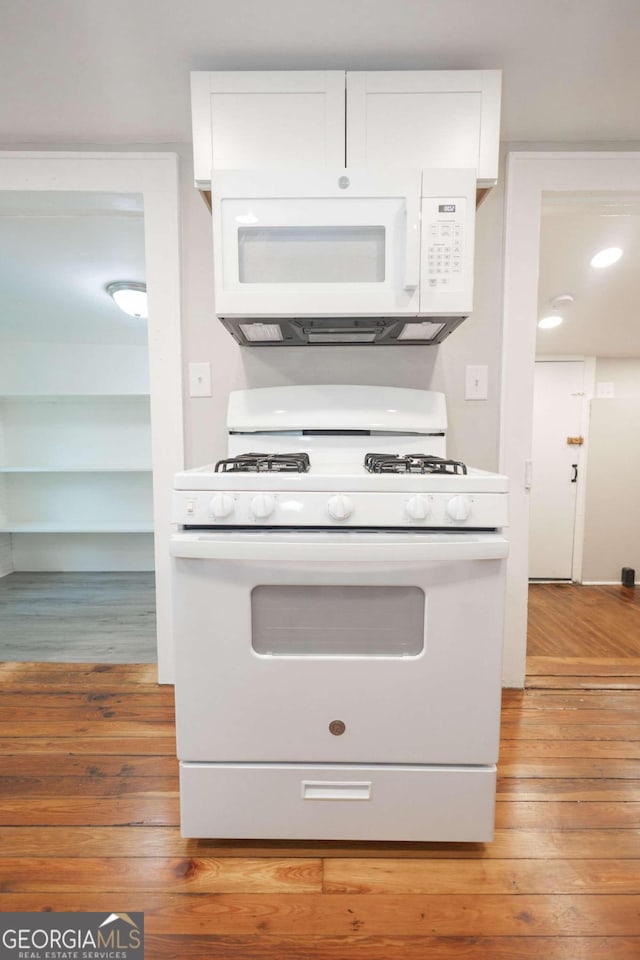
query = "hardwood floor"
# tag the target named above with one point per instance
(571, 620)
(100, 617)
(89, 821)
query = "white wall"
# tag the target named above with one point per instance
(623, 372)
(612, 536)
(612, 519)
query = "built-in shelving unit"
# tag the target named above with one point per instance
(75, 480)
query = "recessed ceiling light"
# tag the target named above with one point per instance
(130, 296)
(548, 322)
(606, 257)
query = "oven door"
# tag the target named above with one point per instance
(368, 647)
(308, 243)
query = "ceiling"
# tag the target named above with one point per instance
(603, 319)
(85, 72)
(57, 253)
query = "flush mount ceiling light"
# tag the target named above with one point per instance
(130, 296)
(562, 301)
(606, 257)
(547, 323)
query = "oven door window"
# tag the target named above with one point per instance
(332, 621)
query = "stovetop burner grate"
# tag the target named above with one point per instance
(412, 463)
(265, 463)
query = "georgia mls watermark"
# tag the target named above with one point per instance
(71, 936)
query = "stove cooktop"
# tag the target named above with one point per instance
(375, 463)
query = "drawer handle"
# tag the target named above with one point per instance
(338, 790)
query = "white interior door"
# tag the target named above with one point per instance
(557, 416)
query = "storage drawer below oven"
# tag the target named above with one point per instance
(337, 802)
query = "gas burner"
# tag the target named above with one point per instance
(411, 463)
(265, 463)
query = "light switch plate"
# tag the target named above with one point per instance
(476, 382)
(200, 379)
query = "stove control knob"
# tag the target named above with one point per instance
(340, 507)
(459, 508)
(262, 505)
(221, 506)
(417, 508)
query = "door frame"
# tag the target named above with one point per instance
(155, 176)
(529, 175)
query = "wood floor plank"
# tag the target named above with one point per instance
(136, 808)
(85, 711)
(572, 700)
(82, 746)
(92, 766)
(167, 947)
(91, 786)
(555, 814)
(66, 701)
(51, 676)
(576, 767)
(513, 750)
(582, 683)
(620, 791)
(105, 727)
(474, 915)
(519, 876)
(583, 666)
(166, 875)
(567, 716)
(521, 729)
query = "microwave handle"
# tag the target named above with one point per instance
(412, 243)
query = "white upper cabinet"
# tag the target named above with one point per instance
(425, 118)
(266, 119)
(394, 118)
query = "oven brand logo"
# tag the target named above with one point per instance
(71, 936)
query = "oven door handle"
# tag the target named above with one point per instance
(210, 547)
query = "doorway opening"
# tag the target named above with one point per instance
(90, 443)
(553, 200)
(75, 468)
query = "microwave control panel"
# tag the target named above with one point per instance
(445, 239)
(446, 274)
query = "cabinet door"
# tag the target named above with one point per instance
(420, 118)
(261, 119)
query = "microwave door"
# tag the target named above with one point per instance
(318, 256)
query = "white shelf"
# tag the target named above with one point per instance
(62, 527)
(75, 477)
(71, 397)
(70, 469)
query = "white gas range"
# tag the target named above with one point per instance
(339, 605)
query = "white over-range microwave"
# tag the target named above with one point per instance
(348, 256)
